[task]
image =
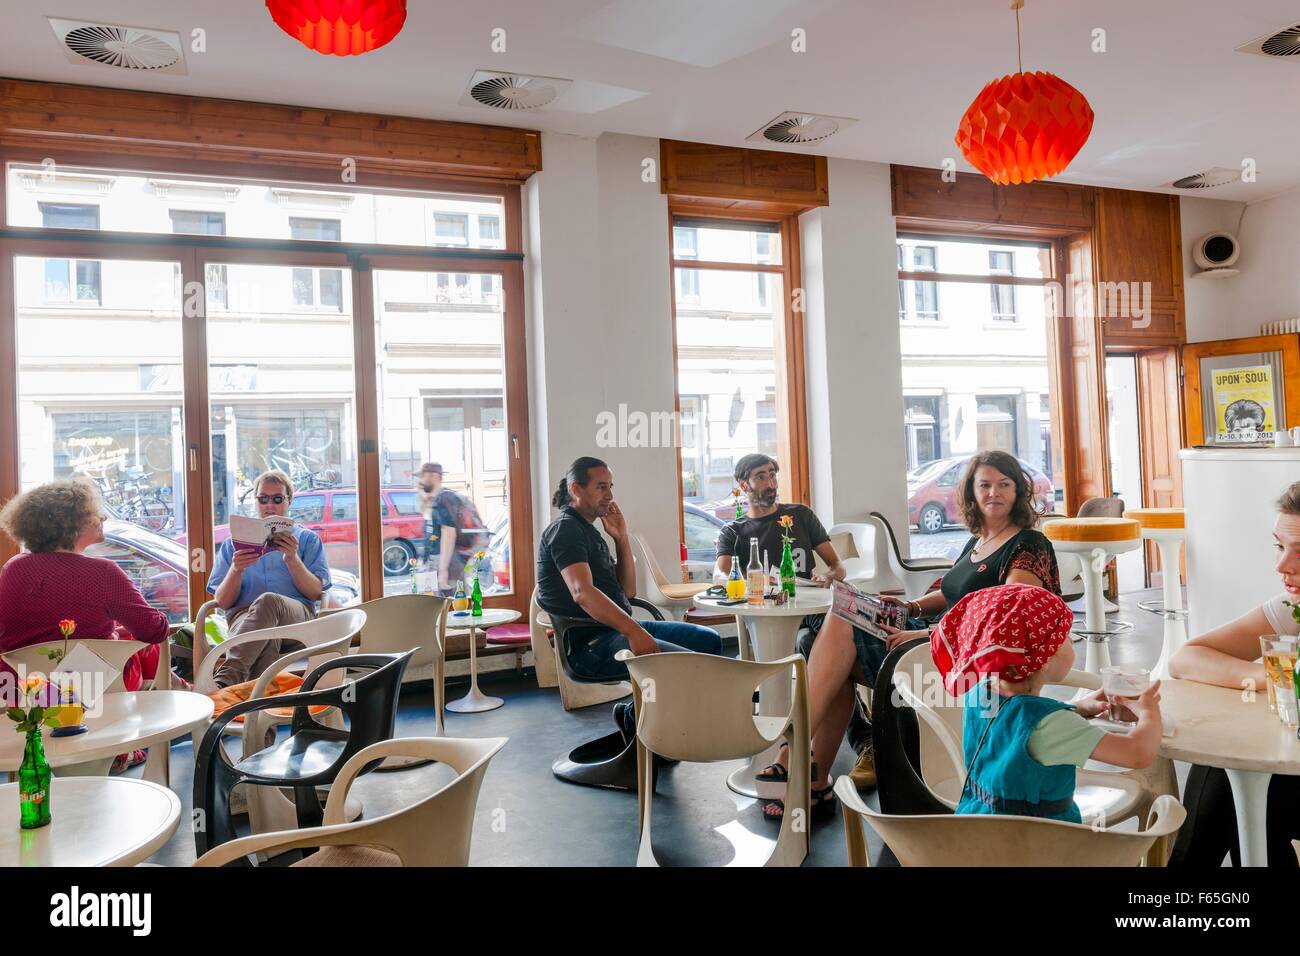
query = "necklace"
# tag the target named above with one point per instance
(984, 544)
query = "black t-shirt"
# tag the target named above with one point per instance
(1029, 550)
(805, 535)
(571, 539)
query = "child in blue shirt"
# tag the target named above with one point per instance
(997, 648)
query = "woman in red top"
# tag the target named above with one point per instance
(54, 580)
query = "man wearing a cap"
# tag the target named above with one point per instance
(441, 506)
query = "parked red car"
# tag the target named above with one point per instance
(932, 492)
(332, 514)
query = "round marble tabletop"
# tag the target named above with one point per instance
(1216, 727)
(126, 721)
(94, 821)
(491, 617)
(807, 600)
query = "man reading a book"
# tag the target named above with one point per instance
(260, 589)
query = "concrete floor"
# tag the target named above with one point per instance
(526, 817)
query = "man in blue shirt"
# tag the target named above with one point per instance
(281, 586)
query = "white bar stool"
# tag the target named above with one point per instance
(1095, 540)
(1164, 526)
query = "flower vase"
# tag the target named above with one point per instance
(34, 783)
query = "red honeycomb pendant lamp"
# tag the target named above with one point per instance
(340, 27)
(1025, 126)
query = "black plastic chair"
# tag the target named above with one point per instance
(897, 739)
(608, 761)
(312, 754)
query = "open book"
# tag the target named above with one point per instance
(254, 534)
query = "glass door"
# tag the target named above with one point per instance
(449, 448)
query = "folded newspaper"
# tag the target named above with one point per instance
(255, 534)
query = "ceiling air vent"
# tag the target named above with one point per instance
(800, 128)
(1284, 42)
(127, 48)
(512, 91)
(1218, 176)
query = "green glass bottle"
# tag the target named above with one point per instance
(740, 512)
(1295, 686)
(34, 783)
(787, 568)
(476, 599)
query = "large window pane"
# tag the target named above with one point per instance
(281, 385)
(727, 377)
(718, 241)
(100, 395)
(142, 202)
(975, 375)
(442, 399)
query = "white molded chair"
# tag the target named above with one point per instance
(402, 622)
(573, 695)
(1104, 796)
(435, 831)
(865, 563)
(115, 653)
(1002, 840)
(699, 707)
(916, 577)
(653, 585)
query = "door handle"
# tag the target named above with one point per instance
(514, 440)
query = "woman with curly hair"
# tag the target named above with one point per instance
(996, 499)
(54, 579)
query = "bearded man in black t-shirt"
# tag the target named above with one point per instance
(757, 476)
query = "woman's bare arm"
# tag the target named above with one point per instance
(1225, 656)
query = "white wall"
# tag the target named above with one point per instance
(1211, 304)
(600, 332)
(852, 358)
(600, 322)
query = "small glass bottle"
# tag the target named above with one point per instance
(735, 583)
(787, 569)
(476, 599)
(460, 600)
(34, 784)
(755, 575)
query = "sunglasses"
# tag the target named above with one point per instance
(267, 499)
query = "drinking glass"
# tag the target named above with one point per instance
(1120, 681)
(1279, 655)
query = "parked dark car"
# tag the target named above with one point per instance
(932, 492)
(157, 566)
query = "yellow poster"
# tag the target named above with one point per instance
(1243, 404)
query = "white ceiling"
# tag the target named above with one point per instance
(1170, 94)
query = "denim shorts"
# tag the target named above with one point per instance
(870, 650)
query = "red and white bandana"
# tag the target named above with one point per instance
(1011, 630)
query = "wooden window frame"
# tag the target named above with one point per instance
(792, 408)
(194, 252)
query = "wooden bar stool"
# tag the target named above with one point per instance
(1164, 526)
(1095, 540)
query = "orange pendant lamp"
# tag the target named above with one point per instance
(1026, 126)
(340, 27)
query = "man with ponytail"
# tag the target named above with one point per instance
(577, 577)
